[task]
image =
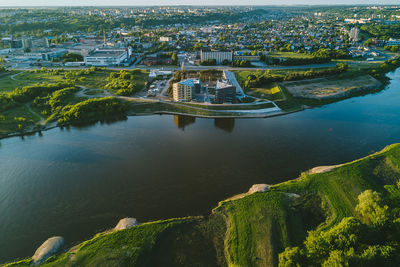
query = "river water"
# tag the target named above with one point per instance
(78, 181)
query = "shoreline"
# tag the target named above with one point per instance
(249, 116)
(309, 104)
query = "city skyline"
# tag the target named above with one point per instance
(6, 3)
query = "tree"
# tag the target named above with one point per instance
(336, 259)
(174, 58)
(292, 257)
(371, 209)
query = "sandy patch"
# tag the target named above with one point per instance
(323, 88)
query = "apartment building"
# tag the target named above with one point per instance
(218, 55)
(183, 90)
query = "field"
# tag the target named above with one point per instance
(332, 87)
(290, 55)
(23, 78)
(94, 80)
(250, 230)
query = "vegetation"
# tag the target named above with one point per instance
(71, 57)
(382, 31)
(392, 48)
(34, 98)
(208, 62)
(92, 110)
(242, 63)
(322, 55)
(380, 72)
(265, 78)
(122, 83)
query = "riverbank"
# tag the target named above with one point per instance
(253, 230)
(26, 119)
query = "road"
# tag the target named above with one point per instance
(164, 91)
(175, 68)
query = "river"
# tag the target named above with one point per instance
(78, 181)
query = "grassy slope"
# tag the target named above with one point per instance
(177, 242)
(250, 231)
(261, 225)
(10, 124)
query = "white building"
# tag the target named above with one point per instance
(156, 73)
(219, 56)
(107, 57)
(393, 42)
(165, 39)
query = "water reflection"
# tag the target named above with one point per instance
(182, 121)
(226, 124)
(84, 125)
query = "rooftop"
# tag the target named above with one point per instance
(107, 53)
(223, 84)
(187, 82)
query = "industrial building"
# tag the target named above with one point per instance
(104, 57)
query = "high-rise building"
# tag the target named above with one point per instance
(183, 90)
(354, 34)
(225, 92)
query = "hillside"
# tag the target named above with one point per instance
(347, 215)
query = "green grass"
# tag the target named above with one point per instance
(94, 80)
(290, 55)
(24, 78)
(175, 242)
(11, 125)
(93, 91)
(262, 224)
(194, 109)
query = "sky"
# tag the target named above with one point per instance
(190, 2)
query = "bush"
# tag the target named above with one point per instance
(29, 93)
(209, 62)
(6, 102)
(92, 109)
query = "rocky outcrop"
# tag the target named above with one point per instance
(126, 223)
(47, 249)
(322, 169)
(258, 188)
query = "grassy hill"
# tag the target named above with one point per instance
(348, 215)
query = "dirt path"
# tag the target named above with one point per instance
(42, 120)
(12, 77)
(81, 93)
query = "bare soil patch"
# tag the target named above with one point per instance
(326, 88)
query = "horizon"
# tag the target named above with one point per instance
(128, 3)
